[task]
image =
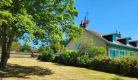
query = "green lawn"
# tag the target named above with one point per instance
(32, 69)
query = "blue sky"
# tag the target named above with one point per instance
(107, 16)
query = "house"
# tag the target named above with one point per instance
(114, 43)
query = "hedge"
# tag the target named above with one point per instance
(127, 66)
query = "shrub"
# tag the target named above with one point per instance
(48, 56)
(125, 66)
(55, 59)
(70, 57)
(75, 58)
(39, 56)
(97, 50)
(83, 61)
(60, 59)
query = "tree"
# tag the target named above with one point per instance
(98, 51)
(26, 48)
(43, 20)
(16, 46)
(84, 43)
(58, 45)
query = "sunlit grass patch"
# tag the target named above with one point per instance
(32, 69)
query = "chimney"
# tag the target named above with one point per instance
(85, 23)
(120, 35)
(81, 23)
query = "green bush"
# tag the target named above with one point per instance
(97, 51)
(125, 66)
(83, 61)
(60, 59)
(48, 56)
(75, 58)
(39, 56)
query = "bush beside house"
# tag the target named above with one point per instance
(127, 65)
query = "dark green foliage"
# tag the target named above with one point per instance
(97, 50)
(48, 56)
(55, 59)
(60, 59)
(125, 66)
(83, 61)
(39, 56)
(26, 48)
(75, 58)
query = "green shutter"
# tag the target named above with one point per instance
(121, 54)
(117, 53)
(111, 53)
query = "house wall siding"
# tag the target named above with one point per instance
(98, 42)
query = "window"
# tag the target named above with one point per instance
(114, 53)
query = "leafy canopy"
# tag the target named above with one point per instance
(44, 20)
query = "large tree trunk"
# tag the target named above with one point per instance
(4, 56)
(6, 49)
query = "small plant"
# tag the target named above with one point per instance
(117, 78)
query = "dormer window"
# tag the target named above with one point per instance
(134, 43)
(111, 37)
(124, 40)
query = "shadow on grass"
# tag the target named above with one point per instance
(14, 70)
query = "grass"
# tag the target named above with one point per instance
(18, 56)
(117, 78)
(32, 69)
